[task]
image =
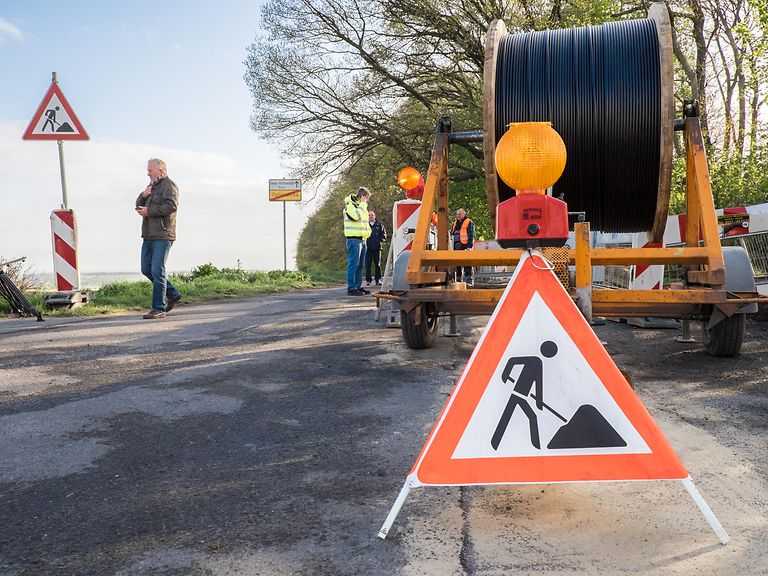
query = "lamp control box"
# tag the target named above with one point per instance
(531, 220)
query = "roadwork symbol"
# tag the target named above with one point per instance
(55, 119)
(586, 429)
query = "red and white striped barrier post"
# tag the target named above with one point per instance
(64, 235)
(405, 215)
(646, 277)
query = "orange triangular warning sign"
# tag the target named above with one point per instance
(55, 119)
(540, 400)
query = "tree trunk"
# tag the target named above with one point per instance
(697, 16)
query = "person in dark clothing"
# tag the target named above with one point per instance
(463, 235)
(373, 248)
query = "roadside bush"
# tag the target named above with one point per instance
(204, 270)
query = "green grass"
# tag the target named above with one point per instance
(326, 276)
(204, 284)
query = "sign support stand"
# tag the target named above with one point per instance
(285, 242)
(395, 510)
(706, 511)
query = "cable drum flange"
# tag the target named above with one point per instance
(607, 91)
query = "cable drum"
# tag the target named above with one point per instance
(603, 89)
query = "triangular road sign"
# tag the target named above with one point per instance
(540, 400)
(55, 119)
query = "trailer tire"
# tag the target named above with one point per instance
(422, 335)
(725, 338)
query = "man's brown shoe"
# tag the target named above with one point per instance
(154, 315)
(172, 303)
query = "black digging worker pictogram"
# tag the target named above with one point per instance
(531, 375)
(50, 118)
(587, 428)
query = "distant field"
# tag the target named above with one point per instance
(95, 280)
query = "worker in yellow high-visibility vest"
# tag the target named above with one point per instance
(356, 231)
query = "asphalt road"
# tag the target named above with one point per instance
(270, 436)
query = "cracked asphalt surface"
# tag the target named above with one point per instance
(270, 436)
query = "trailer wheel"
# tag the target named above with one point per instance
(726, 337)
(422, 335)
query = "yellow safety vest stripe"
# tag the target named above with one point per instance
(356, 219)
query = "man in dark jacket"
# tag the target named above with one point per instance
(157, 206)
(373, 248)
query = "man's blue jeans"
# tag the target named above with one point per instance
(154, 253)
(355, 263)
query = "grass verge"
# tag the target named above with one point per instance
(205, 283)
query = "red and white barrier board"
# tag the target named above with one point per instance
(735, 221)
(405, 215)
(64, 235)
(646, 277)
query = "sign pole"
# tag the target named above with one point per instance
(285, 190)
(63, 175)
(54, 119)
(61, 160)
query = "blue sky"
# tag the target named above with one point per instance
(146, 79)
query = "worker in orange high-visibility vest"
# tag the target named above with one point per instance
(463, 234)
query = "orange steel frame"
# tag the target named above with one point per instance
(427, 272)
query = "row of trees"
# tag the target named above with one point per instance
(350, 89)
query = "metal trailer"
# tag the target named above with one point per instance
(717, 288)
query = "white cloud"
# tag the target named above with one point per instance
(224, 213)
(8, 30)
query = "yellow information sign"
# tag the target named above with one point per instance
(285, 190)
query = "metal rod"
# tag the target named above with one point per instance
(63, 175)
(7, 262)
(707, 511)
(685, 337)
(395, 508)
(285, 242)
(465, 137)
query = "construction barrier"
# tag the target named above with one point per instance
(64, 235)
(405, 214)
(745, 226)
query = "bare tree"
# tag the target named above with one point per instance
(334, 80)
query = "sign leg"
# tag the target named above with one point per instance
(395, 509)
(707, 511)
(64, 205)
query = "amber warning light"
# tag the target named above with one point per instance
(530, 158)
(412, 182)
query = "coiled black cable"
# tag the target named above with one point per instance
(600, 87)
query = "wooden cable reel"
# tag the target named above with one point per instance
(608, 92)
